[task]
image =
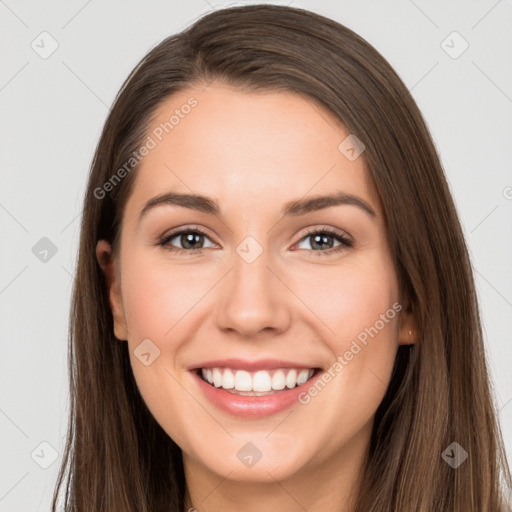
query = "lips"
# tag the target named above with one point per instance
(265, 374)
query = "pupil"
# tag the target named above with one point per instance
(188, 240)
(323, 239)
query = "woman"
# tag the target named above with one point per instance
(256, 370)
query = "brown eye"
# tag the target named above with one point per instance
(322, 241)
(190, 241)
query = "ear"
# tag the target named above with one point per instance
(112, 279)
(408, 332)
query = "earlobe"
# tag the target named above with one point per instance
(408, 332)
(108, 267)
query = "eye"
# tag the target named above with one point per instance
(191, 241)
(323, 241)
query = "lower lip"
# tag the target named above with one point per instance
(253, 406)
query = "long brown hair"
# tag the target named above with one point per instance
(117, 458)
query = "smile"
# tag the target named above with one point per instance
(258, 383)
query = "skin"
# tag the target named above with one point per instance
(252, 153)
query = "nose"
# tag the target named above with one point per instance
(253, 298)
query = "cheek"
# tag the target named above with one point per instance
(350, 298)
(359, 304)
(156, 298)
(156, 295)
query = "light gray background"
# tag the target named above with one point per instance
(53, 110)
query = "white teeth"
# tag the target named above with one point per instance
(217, 378)
(260, 382)
(228, 380)
(243, 381)
(302, 377)
(291, 379)
(278, 380)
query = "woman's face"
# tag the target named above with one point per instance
(258, 288)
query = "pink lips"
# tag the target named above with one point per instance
(251, 406)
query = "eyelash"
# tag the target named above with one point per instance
(346, 243)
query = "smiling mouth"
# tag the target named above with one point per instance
(258, 383)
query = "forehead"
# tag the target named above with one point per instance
(231, 144)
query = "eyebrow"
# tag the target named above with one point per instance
(293, 208)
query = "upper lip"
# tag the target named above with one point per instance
(250, 366)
